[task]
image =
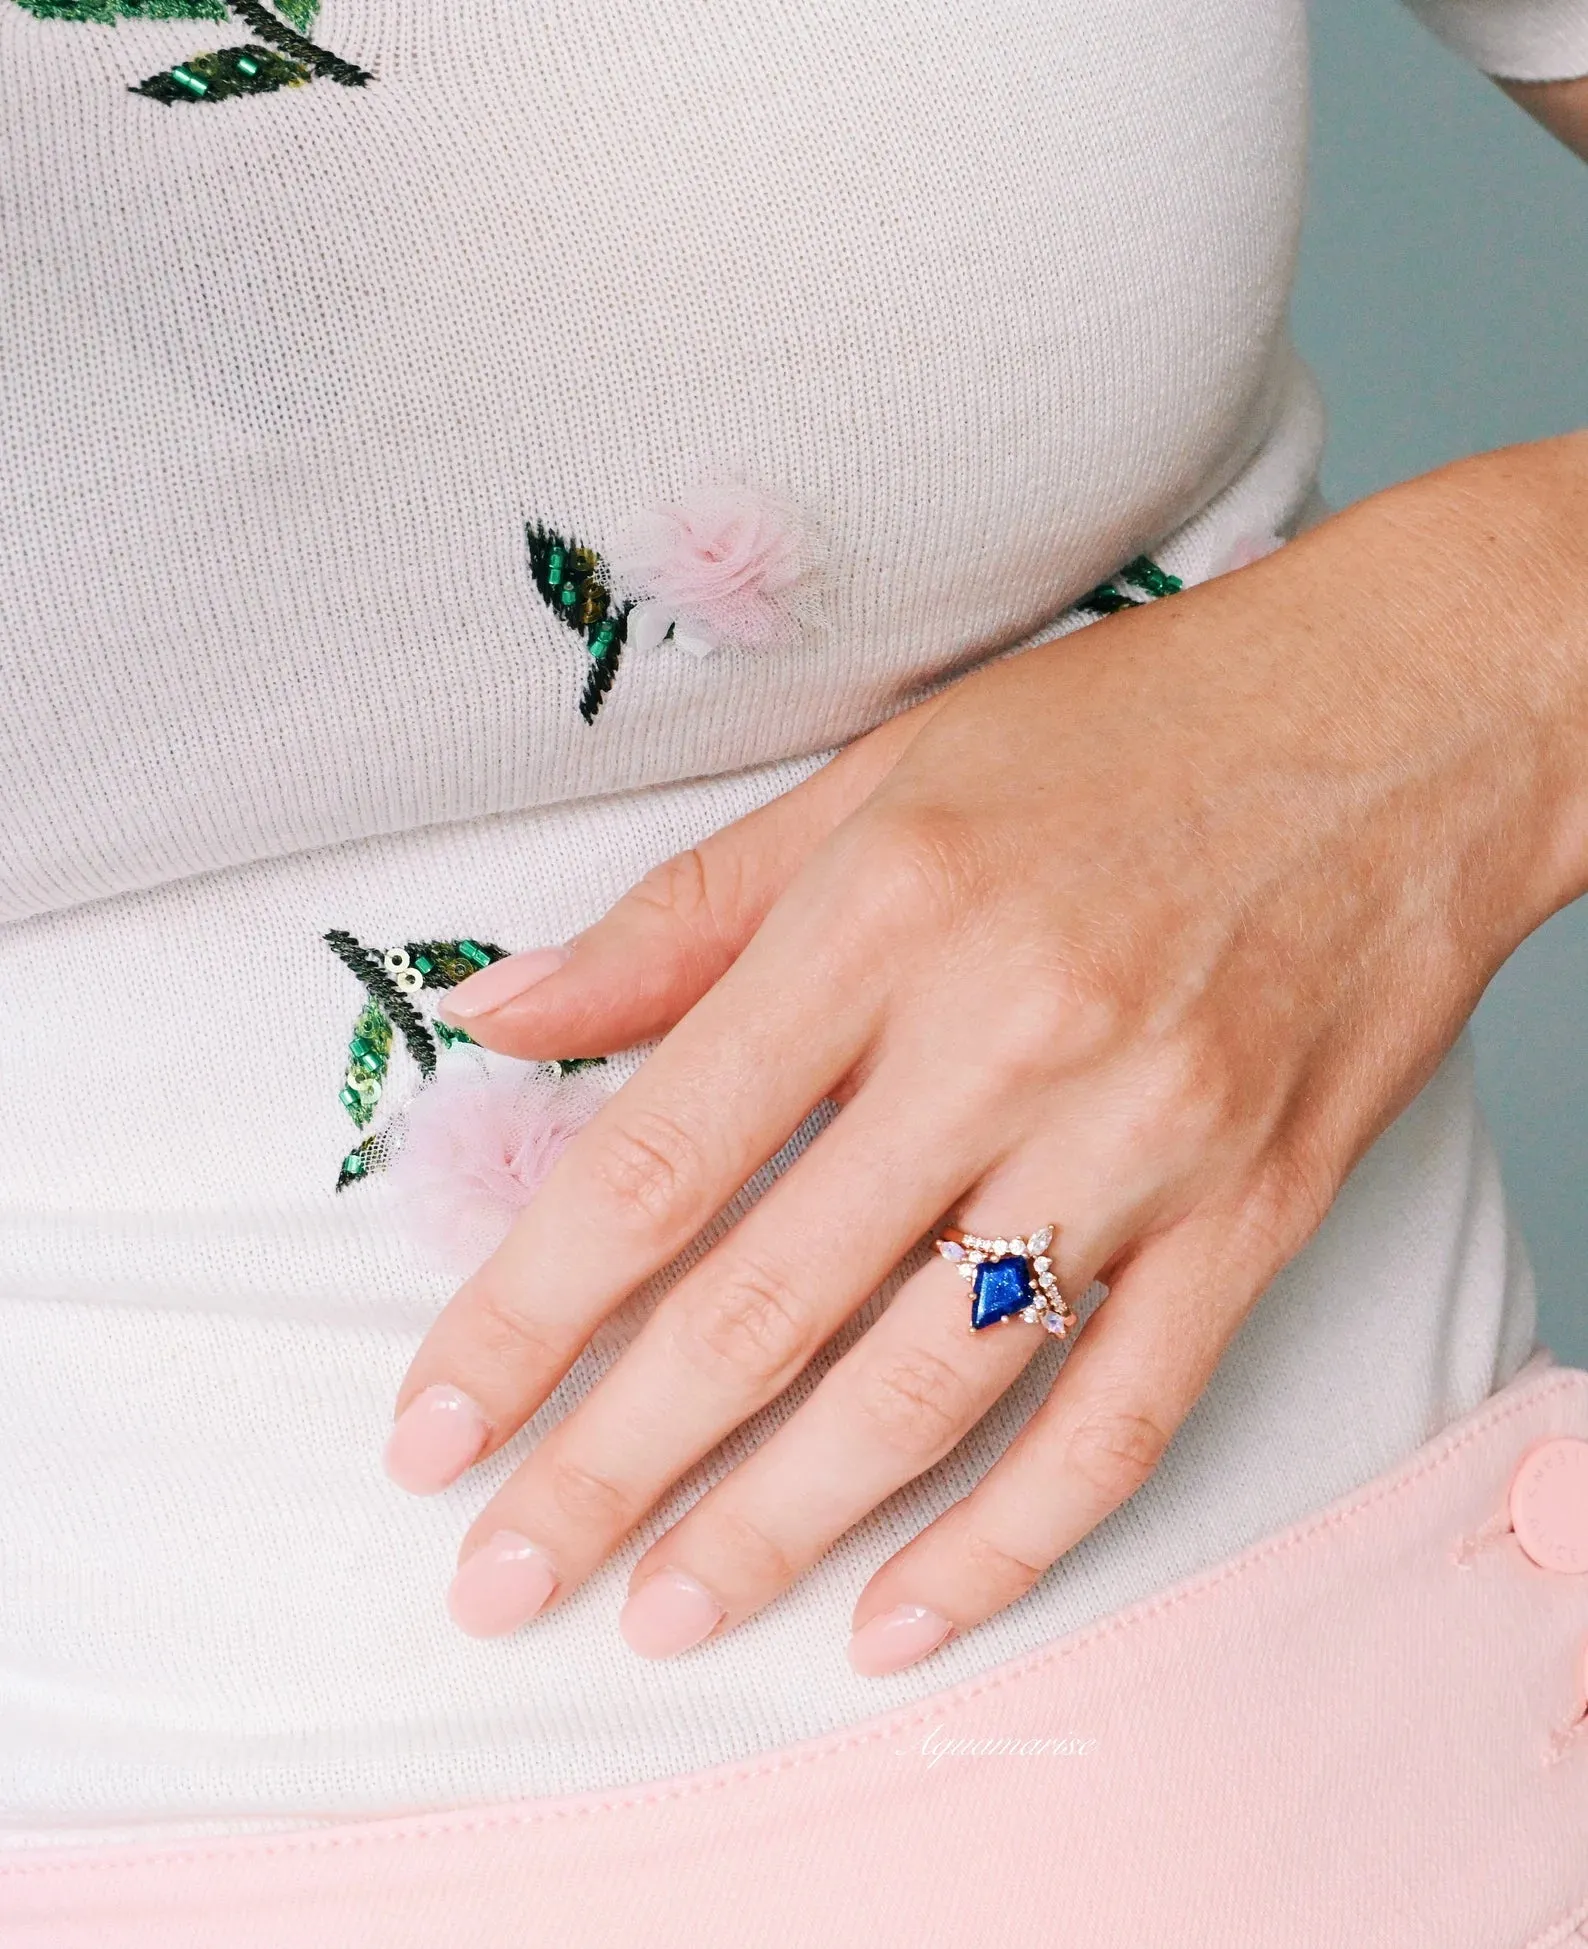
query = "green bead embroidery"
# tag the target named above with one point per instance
(218, 77)
(1107, 599)
(367, 964)
(389, 977)
(1144, 573)
(571, 583)
(364, 1160)
(288, 60)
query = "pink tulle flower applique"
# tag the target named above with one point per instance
(723, 565)
(475, 1148)
(1245, 550)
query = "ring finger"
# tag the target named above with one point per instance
(728, 1338)
(901, 1398)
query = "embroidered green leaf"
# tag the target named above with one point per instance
(367, 964)
(389, 977)
(319, 60)
(108, 12)
(572, 585)
(364, 1160)
(1144, 573)
(287, 59)
(1107, 599)
(444, 964)
(220, 76)
(368, 1059)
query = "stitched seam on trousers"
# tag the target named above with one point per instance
(383, 1834)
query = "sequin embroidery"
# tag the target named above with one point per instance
(391, 978)
(283, 57)
(230, 71)
(572, 583)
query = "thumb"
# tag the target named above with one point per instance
(644, 965)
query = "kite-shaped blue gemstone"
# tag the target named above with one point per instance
(1003, 1288)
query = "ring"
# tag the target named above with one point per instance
(1009, 1278)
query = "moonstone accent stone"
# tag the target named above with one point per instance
(1003, 1288)
(951, 1250)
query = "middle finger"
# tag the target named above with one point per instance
(905, 1394)
(728, 1338)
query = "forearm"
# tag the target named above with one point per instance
(1562, 107)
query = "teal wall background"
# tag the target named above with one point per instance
(1443, 303)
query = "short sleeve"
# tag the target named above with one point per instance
(1518, 40)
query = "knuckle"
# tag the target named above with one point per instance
(649, 1164)
(751, 1328)
(505, 1334)
(922, 867)
(915, 1402)
(587, 1501)
(1035, 1028)
(1286, 1206)
(998, 1574)
(1113, 1451)
(1187, 1098)
(1065, 1016)
(757, 1565)
(678, 888)
(702, 893)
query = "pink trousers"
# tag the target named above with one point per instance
(1368, 1730)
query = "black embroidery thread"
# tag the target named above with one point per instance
(287, 59)
(297, 46)
(570, 581)
(389, 976)
(366, 963)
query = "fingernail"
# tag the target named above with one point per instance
(501, 1586)
(667, 1614)
(499, 983)
(896, 1639)
(435, 1438)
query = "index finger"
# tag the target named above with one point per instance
(715, 1100)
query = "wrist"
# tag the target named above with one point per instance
(1482, 569)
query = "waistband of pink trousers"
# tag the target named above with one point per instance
(1366, 1730)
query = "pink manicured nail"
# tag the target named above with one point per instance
(499, 983)
(667, 1614)
(435, 1438)
(896, 1639)
(506, 1581)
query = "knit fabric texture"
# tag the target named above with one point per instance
(295, 375)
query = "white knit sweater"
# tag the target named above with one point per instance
(995, 295)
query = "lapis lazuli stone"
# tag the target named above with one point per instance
(1003, 1287)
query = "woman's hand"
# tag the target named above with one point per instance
(1148, 932)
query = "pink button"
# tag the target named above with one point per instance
(1549, 1505)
